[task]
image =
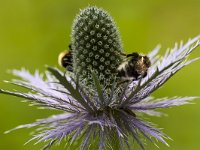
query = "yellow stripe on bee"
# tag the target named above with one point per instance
(60, 57)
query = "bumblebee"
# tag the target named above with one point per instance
(134, 68)
(65, 59)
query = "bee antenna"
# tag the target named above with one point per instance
(120, 53)
(132, 54)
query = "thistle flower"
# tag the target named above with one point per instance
(96, 48)
(96, 110)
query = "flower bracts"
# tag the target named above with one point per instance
(96, 111)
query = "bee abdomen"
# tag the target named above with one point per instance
(126, 72)
(65, 60)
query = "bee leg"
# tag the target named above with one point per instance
(122, 82)
(145, 74)
(123, 54)
(65, 73)
(70, 46)
(69, 68)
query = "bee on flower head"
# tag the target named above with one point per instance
(134, 68)
(65, 59)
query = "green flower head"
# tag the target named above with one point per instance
(96, 46)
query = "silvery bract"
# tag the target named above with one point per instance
(96, 111)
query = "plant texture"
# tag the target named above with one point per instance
(97, 110)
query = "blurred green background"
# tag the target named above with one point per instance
(34, 32)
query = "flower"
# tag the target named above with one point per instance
(96, 109)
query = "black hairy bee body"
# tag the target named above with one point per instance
(65, 59)
(135, 68)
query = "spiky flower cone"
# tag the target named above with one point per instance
(96, 46)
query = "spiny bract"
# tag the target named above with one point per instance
(95, 112)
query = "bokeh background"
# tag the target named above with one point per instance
(34, 32)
